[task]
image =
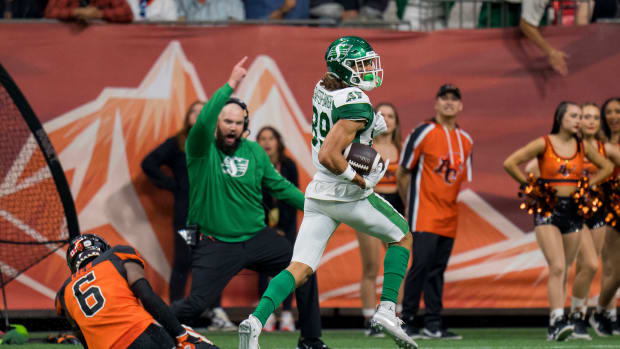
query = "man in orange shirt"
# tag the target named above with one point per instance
(435, 160)
(112, 306)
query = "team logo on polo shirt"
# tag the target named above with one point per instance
(235, 166)
(447, 171)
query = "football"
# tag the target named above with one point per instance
(363, 158)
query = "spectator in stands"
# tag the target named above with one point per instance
(584, 12)
(211, 10)
(279, 215)
(84, 10)
(532, 12)
(427, 15)
(22, 8)
(348, 9)
(154, 10)
(277, 9)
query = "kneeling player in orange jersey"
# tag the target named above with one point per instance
(111, 304)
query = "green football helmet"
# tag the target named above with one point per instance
(352, 60)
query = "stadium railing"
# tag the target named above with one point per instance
(419, 15)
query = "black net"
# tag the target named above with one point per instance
(37, 215)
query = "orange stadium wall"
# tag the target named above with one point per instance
(109, 94)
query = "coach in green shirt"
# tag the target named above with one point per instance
(227, 174)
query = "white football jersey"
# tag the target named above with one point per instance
(328, 107)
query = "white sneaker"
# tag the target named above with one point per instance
(287, 322)
(249, 330)
(220, 321)
(270, 325)
(386, 321)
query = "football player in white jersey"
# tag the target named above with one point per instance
(342, 114)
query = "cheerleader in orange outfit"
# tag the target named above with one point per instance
(560, 157)
(604, 320)
(388, 144)
(592, 243)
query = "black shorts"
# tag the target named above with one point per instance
(564, 217)
(395, 201)
(597, 220)
(154, 337)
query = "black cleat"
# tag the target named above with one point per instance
(580, 331)
(311, 343)
(413, 332)
(560, 330)
(601, 323)
(615, 326)
(439, 334)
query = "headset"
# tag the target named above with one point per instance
(246, 117)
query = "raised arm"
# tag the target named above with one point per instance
(202, 134)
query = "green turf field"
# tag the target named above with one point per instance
(350, 339)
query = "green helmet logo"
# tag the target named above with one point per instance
(352, 60)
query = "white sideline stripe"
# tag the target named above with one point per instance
(28, 281)
(338, 251)
(490, 214)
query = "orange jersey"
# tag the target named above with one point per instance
(559, 170)
(439, 160)
(99, 300)
(388, 182)
(590, 169)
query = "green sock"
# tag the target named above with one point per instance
(394, 268)
(279, 288)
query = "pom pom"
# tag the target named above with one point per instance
(538, 196)
(588, 200)
(611, 191)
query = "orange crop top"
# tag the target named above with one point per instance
(388, 182)
(590, 169)
(559, 170)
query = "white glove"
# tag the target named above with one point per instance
(375, 175)
(380, 125)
